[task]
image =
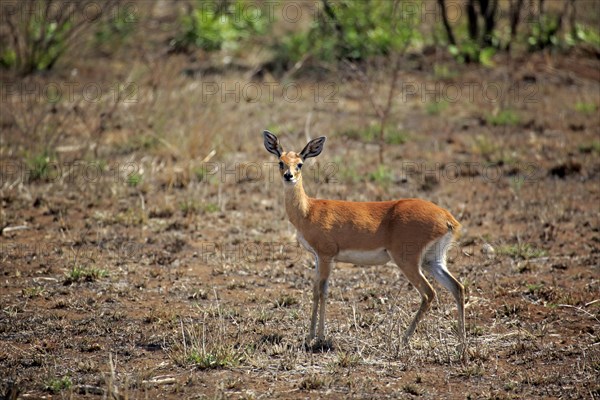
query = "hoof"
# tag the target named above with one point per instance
(318, 345)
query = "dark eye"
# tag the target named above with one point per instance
(280, 164)
(299, 166)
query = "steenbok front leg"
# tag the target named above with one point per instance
(320, 289)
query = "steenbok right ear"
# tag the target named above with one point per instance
(272, 144)
(313, 148)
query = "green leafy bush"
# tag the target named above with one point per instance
(214, 28)
(349, 30)
(544, 33)
(39, 32)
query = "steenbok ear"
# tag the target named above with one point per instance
(272, 144)
(313, 148)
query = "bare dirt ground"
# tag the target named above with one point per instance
(146, 265)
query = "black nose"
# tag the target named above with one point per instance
(287, 176)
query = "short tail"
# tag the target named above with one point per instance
(453, 226)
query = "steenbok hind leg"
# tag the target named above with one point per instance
(435, 263)
(437, 268)
(414, 276)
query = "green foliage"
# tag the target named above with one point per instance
(503, 118)
(8, 58)
(214, 358)
(211, 28)
(371, 134)
(134, 179)
(286, 300)
(40, 166)
(544, 32)
(350, 30)
(382, 175)
(55, 385)
(586, 108)
(524, 251)
(211, 207)
(52, 35)
(40, 32)
(436, 107)
(584, 34)
(79, 273)
(470, 51)
(116, 30)
(443, 71)
(592, 147)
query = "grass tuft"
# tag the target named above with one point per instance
(503, 118)
(523, 251)
(57, 385)
(79, 273)
(214, 358)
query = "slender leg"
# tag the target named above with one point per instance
(315, 308)
(324, 286)
(415, 276)
(437, 268)
(322, 283)
(315, 305)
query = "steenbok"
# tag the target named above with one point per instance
(415, 234)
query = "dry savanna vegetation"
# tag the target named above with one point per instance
(144, 248)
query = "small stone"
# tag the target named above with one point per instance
(488, 250)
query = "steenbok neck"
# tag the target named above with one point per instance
(296, 201)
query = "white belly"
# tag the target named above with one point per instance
(360, 257)
(364, 257)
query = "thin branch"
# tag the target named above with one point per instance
(447, 26)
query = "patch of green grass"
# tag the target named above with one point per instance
(134, 179)
(586, 108)
(436, 107)
(214, 358)
(443, 71)
(33, 291)
(56, 385)
(503, 118)
(39, 166)
(211, 207)
(592, 147)
(370, 134)
(263, 316)
(286, 301)
(79, 273)
(382, 175)
(534, 287)
(345, 170)
(394, 136)
(524, 251)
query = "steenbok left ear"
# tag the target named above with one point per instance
(313, 148)
(272, 144)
